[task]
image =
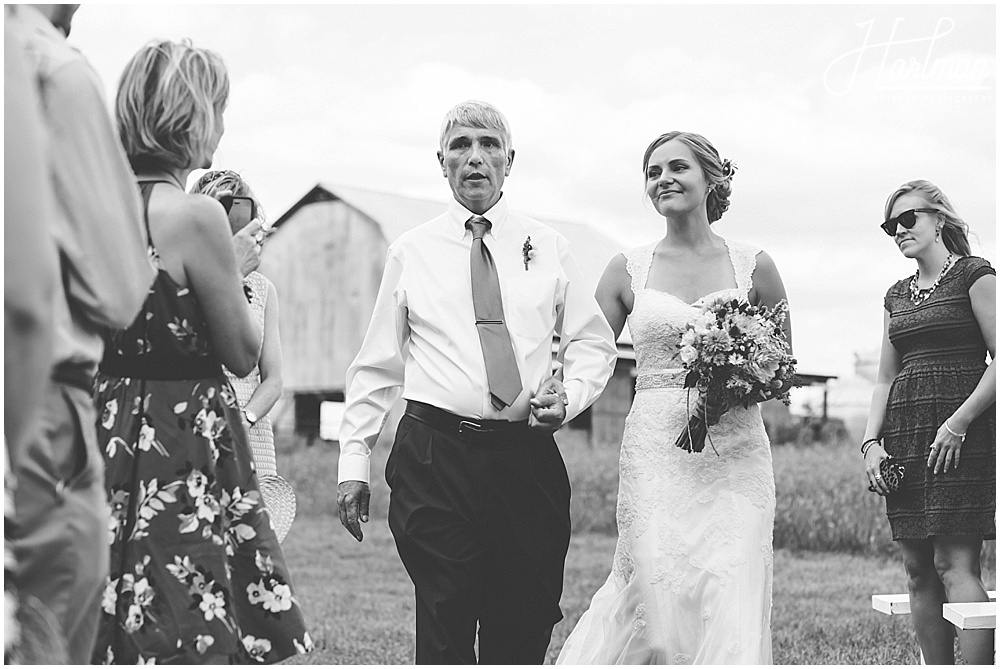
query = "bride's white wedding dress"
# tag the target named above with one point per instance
(691, 579)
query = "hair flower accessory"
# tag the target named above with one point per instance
(527, 252)
(728, 168)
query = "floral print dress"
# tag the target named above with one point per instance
(197, 575)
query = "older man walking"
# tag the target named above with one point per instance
(469, 305)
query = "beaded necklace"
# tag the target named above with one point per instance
(918, 295)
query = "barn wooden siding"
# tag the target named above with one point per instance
(326, 267)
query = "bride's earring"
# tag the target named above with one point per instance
(937, 235)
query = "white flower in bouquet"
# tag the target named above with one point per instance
(764, 365)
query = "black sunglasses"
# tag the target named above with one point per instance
(907, 219)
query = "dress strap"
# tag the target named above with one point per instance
(744, 259)
(146, 189)
(637, 262)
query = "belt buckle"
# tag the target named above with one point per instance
(469, 425)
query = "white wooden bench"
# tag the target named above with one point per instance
(899, 605)
(970, 615)
(975, 616)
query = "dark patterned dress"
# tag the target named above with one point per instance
(943, 358)
(196, 572)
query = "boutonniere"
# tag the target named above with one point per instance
(527, 252)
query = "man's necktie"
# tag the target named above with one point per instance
(501, 365)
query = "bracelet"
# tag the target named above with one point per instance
(868, 443)
(953, 433)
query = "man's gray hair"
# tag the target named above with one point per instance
(475, 114)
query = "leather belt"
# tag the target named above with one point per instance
(446, 421)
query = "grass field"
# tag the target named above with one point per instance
(832, 553)
(359, 601)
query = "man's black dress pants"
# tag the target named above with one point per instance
(481, 523)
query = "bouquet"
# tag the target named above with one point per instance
(735, 353)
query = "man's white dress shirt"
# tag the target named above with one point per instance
(422, 339)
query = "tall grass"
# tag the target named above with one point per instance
(822, 499)
(823, 503)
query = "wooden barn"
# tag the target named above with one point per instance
(326, 257)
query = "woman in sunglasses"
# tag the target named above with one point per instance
(258, 391)
(932, 413)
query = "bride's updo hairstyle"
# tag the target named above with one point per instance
(718, 172)
(954, 231)
(169, 99)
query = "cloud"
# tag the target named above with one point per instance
(356, 94)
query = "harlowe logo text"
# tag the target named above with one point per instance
(909, 59)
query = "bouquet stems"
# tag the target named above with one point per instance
(692, 437)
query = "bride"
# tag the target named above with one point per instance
(691, 579)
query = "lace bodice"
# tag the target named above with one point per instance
(658, 318)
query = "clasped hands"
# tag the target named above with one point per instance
(548, 406)
(548, 411)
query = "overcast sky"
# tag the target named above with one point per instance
(825, 109)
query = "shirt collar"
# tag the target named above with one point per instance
(497, 215)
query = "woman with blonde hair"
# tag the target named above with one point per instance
(258, 391)
(197, 575)
(933, 414)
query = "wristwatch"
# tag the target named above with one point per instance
(250, 416)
